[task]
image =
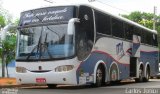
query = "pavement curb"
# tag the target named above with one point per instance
(20, 86)
(14, 86)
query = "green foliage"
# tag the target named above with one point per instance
(135, 16)
(145, 19)
(8, 48)
(147, 23)
(6, 15)
(7, 51)
(16, 22)
(2, 21)
(8, 45)
(0, 52)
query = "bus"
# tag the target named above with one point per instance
(82, 44)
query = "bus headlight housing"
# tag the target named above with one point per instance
(64, 68)
(21, 69)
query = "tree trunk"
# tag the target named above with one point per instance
(3, 65)
(7, 69)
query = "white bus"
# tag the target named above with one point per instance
(82, 44)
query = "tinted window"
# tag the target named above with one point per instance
(85, 32)
(147, 37)
(143, 36)
(154, 39)
(103, 23)
(128, 31)
(117, 28)
(137, 31)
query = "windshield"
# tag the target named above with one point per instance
(45, 42)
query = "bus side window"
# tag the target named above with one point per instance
(154, 39)
(85, 32)
(148, 37)
(117, 28)
(128, 31)
(137, 31)
(143, 36)
(103, 23)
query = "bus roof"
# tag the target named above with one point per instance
(101, 7)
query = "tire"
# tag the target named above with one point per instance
(99, 76)
(151, 77)
(140, 78)
(50, 86)
(158, 77)
(146, 79)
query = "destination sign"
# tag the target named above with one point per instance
(47, 15)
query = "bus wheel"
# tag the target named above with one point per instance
(146, 79)
(151, 77)
(99, 76)
(51, 85)
(158, 77)
(114, 73)
(140, 79)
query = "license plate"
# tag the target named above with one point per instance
(40, 80)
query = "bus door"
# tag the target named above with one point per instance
(135, 54)
(136, 46)
(84, 32)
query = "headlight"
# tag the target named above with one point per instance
(64, 68)
(21, 69)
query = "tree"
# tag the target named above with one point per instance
(8, 48)
(134, 16)
(7, 51)
(145, 19)
(2, 21)
(6, 15)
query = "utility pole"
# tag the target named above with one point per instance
(154, 18)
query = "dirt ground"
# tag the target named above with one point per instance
(7, 81)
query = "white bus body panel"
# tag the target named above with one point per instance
(51, 77)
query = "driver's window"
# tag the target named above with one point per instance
(85, 32)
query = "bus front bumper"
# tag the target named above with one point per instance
(68, 77)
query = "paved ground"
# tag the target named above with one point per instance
(152, 87)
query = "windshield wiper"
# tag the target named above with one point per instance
(45, 46)
(38, 46)
(41, 47)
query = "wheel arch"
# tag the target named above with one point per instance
(139, 65)
(114, 63)
(147, 65)
(100, 62)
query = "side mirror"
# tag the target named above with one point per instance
(71, 26)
